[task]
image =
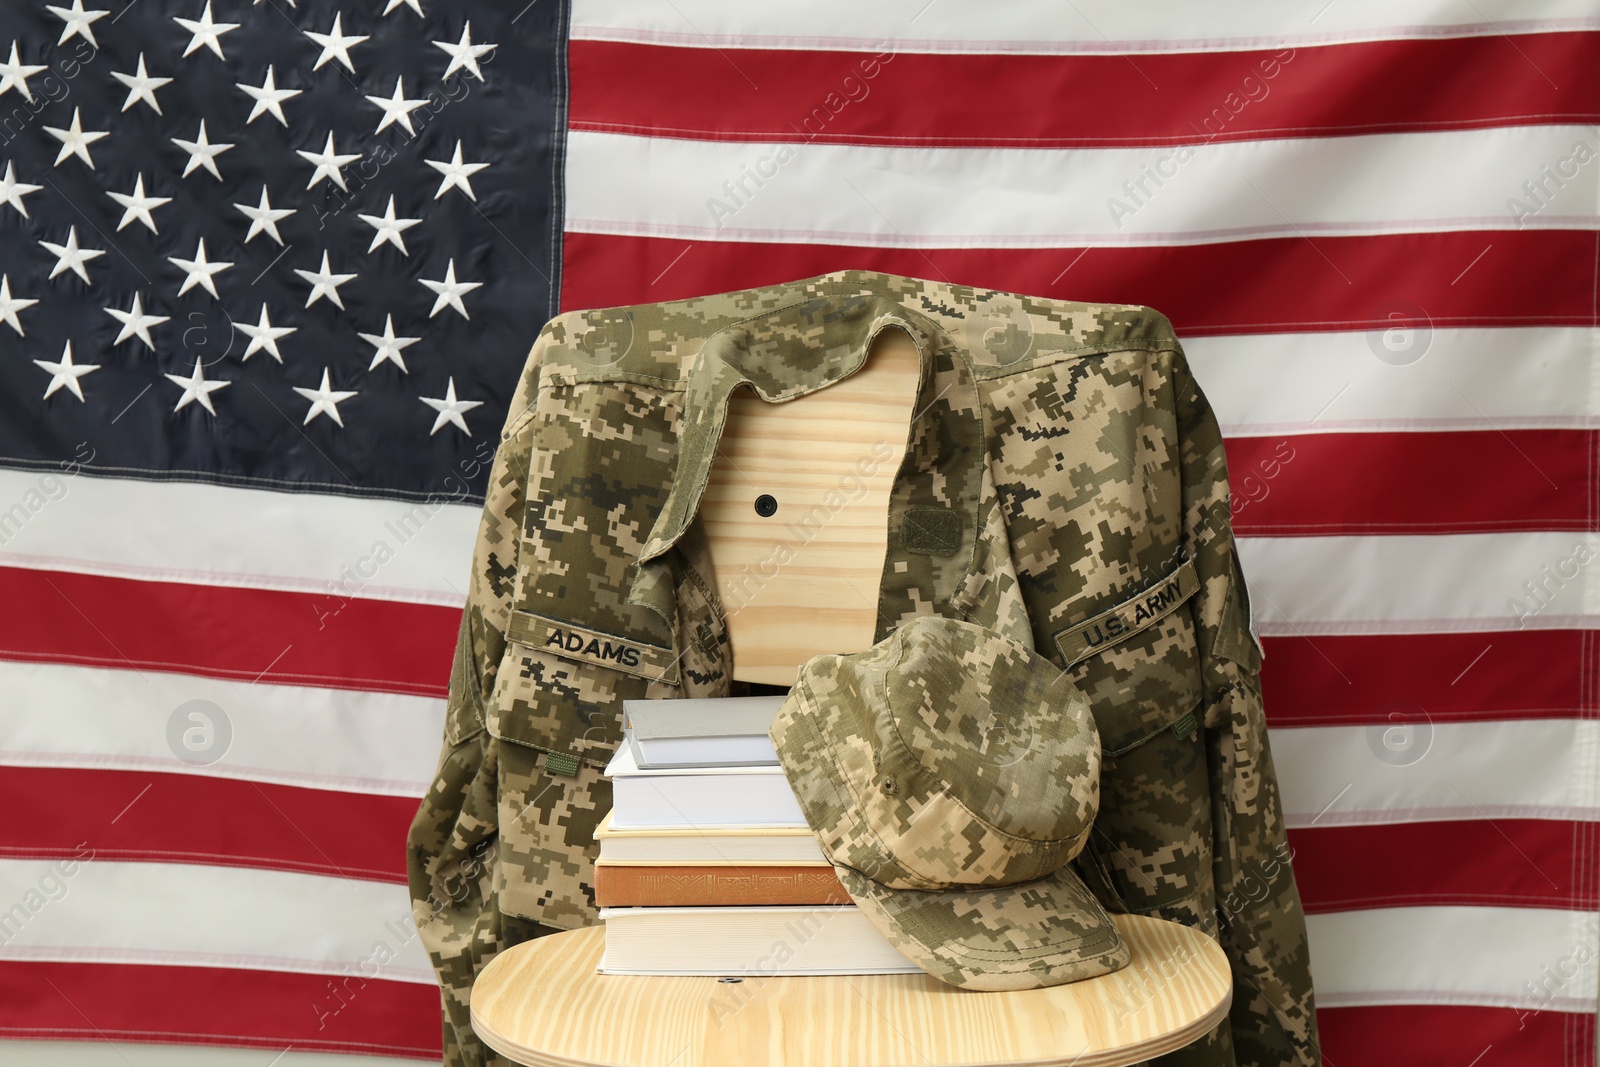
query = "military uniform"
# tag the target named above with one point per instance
(1063, 478)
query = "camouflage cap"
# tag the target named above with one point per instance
(951, 774)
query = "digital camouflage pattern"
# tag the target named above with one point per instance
(951, 776)
(1062, 468)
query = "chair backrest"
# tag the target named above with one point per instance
(803, 578)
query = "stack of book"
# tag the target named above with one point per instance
(706, 863)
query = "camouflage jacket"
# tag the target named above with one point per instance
(1064, 477)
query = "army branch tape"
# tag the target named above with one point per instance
(1080, 641)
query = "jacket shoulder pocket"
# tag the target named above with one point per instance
(556, 711)
(1137, 659)
(561, 685)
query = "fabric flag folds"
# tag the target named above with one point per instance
(269, 271)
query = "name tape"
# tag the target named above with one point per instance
(592, 646)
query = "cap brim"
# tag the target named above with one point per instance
(1041, 933)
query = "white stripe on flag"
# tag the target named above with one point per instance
(220, 535)
(90, 717)
(1434, 583)
(1460, 379)
(917, 25)
(68, 716)
(1427, 771)
(185, 915)
(1532, 959)
(884, 197)
(178, 914)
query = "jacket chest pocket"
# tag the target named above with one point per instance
(556, 713)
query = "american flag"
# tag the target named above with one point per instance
(1374, 224)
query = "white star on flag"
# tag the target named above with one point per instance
(268, 99)
(396, 108)
(12, 191)
(324, 401)
(456, 174)
(199, 271)
(70, 257)
(329, 163)
(135, 323)
(450, 409)
(196, 387)
(141, 86)
(264, 337)
(14, 74)
(264, 217)
(395, 5)
(65, 373)
(136, 205)
(78, 23)
(324, 283)
(388, 345)
(202, 153)
(449, 291)
(388, 228)
(335, 44)
(464, 53)
(206, 32)
(10, 305)
(75, 141)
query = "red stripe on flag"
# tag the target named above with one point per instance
(1462, 278)
(219, 1006)
(1078, 101)
(1526, 863)
(264, 635)
(191, 818)
(1409, 1035)
(1409, 483)
(1371, 679)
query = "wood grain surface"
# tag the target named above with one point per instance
(541, 1003)
(805, 579)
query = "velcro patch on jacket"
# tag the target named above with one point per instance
(1083, 640)
(934, 531)
(563, 638)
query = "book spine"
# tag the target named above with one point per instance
(623, 886)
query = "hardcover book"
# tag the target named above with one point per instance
(831, 939)
(722, 845)
(701, 731)
(681, 885)
(699, 796)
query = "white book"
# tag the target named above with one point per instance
(701, 731)
(721, 845)
(747, 941)
(699, 796)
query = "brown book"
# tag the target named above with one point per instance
(661, 885)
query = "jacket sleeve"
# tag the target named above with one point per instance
(1262, 927)
(450, 849)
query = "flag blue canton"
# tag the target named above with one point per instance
(303, 246)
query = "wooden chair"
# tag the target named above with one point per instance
(543, 1003)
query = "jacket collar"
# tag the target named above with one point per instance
(805, 346)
